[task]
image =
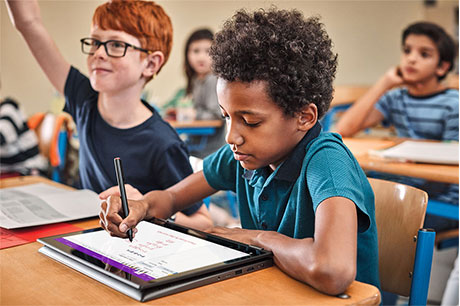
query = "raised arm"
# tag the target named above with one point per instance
(25, 16)
(363, 114)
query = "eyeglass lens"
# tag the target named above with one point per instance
(113, 48)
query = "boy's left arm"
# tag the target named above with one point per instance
(327, 261)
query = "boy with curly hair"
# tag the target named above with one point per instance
(301, 193)
(129, 43)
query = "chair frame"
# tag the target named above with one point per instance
(424, 239)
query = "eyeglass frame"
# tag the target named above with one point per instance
(104, 43)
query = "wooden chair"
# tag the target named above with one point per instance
(405, 249)
(53, 132)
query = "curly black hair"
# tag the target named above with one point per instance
(293, 55)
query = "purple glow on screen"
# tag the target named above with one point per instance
(104, 259)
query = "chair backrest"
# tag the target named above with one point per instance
(399, 213)
(48, 127)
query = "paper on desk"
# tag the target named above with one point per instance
(14, 237)
(39, 204)
(422, 151)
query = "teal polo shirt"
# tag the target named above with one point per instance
(285, 201)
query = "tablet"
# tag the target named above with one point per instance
(164, 258)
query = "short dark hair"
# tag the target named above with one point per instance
(199, 34)
(290, 53)
(444, 43)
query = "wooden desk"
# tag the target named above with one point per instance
(202, 128)
(31, 278)
(347, 94)
(196, 123)
(432, 172)
(196, 127)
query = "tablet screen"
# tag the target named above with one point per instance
(157, 252)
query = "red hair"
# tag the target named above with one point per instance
(145, 20)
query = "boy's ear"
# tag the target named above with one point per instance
(307, 117)
(154, 62)
(442, 68)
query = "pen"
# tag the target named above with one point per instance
(121, 186)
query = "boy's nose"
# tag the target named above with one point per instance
(233, 137)
(412, 57)
(100, 52)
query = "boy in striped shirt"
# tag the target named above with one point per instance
(420, 106)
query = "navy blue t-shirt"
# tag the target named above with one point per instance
(153, 155)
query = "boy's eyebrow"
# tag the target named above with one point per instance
(430, 49)
(245, 112)
(423, 48)
(110, 37)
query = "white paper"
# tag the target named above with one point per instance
(423, 151)
(39, 204)
(156, 251)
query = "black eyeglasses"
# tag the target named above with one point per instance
(113, 48)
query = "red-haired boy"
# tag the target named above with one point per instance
(128, 44)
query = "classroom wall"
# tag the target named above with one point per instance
(366, 36)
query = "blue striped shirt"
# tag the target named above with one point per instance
(433, 117)
(426, 117)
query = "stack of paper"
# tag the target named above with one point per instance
(39, 204)
(423, 151)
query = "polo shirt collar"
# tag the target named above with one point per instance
(289, 170)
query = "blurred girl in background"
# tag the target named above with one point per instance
(198, 100)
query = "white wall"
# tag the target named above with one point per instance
(366, 35)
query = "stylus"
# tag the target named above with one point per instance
(121, 186)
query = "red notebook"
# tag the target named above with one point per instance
(10, 238)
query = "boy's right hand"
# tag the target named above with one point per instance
(157, 203)
(131, 192)
(393, 77)
(111, 220)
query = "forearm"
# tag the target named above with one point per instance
(305, 261)
(354, 119)
(176, 198)
(23, 13)
(190, 190)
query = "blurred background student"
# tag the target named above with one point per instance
(198, 100)
(412, 98)
(19, 153)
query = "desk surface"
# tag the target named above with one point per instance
(196, 124)
(361, 146)
(31, 278)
